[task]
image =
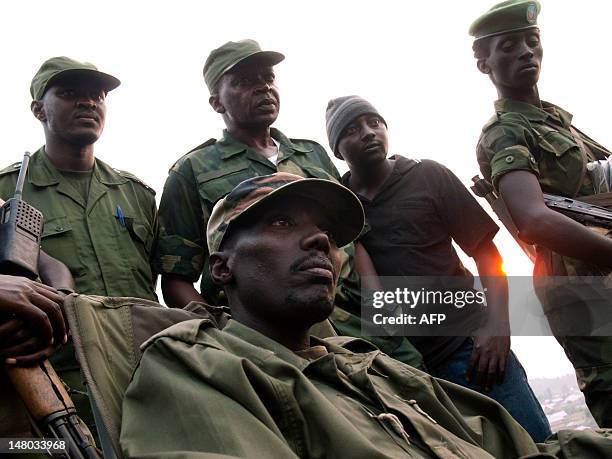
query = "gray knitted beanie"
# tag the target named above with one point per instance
(340, 112)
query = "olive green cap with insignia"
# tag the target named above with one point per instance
(221, 60)
(342, 208)
(506, 17)
(61, 67)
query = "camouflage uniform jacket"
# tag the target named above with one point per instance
(249, 396)
(522, 136)
(203, 176)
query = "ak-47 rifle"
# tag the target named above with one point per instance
(49, 405)
(580, 211)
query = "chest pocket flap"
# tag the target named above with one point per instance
(317, 172)
(214, 185)
(139, 231)
(55, 226)
(555, 142)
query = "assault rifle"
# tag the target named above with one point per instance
(582, 212)
(49, 405)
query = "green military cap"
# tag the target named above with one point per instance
(339, 204)
(505, 17)
(60, 67)
(224, 58)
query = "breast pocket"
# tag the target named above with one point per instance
(561, 163)
(317, 172)
(214, 185)
(412, 222)
(557, 143)
(141, 235)
(58, 241)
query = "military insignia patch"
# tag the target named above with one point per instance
(532, 13)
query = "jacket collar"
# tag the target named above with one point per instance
(229, 146)
(533, 113)
(41, 172)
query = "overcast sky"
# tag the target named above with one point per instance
(412, 60)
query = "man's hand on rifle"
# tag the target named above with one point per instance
(31, 321)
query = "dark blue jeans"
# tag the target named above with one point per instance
(514, 393)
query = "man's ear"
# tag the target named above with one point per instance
(216, 104)
(37, 109)
(482, 66)
(220, 271)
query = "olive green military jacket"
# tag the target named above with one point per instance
(200, 392)
(106, 255)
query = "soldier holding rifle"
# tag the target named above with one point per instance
(529, 147)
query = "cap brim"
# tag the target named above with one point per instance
(269, 58)
(108, 82)
(505, 32)
(339, 204)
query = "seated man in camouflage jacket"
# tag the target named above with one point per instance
(264, 388)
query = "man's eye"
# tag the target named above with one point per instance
(507, 45)
(66, 92)
(374, 122)
(98, 96)
(244, 81)
(350, 130)
(270, 78)
(281, 222)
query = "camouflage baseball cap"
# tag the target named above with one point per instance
(337, 202)
(227, 56)
(506, 17)
(60, 67)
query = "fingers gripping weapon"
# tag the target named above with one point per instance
(41, 390)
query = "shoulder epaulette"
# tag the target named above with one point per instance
(494, 119)
(310, 141)
(208, 143)
(13, 168)
(133, 178)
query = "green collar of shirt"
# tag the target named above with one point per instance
(41, 172)
(533, 113)
(270, 347)
(230, 146)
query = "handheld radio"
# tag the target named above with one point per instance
(21, 228)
